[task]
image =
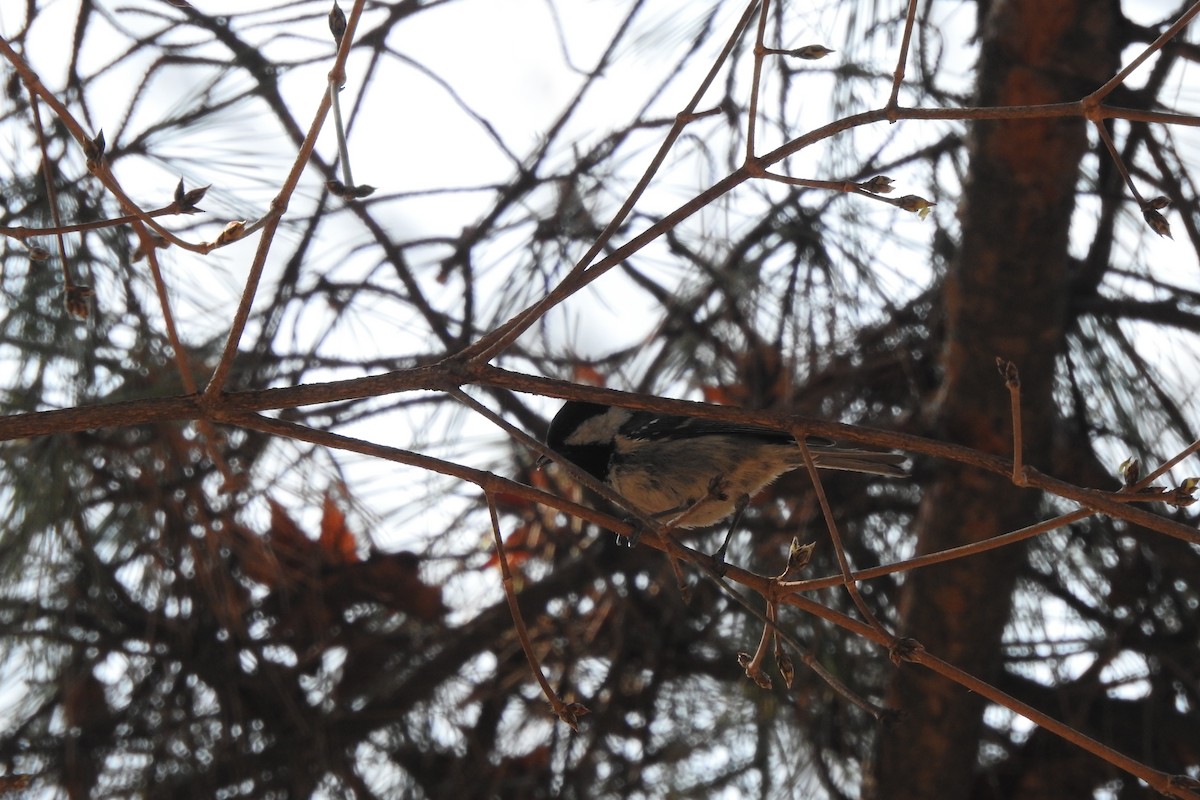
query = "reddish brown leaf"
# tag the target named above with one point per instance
(518, 547)
(338, 544)
(586, 373)
(394, 580)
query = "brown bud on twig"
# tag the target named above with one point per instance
(1157, 222)
(185, 201)
(232, 232)
(1008, 371)
(93, 151)
(571, 712)
(880, 184)
(799, 555)
(1184, 494)
(337, 22)
(918, 205)
(1131, 471)
(786, 668)
(811, 52)
(903, 649)
(753, 671)
(349, 192)
(76, 300)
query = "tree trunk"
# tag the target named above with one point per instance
(1004, 295)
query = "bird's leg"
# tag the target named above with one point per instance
(718, 558)
(635, 535)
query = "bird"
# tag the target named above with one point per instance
(688, 472)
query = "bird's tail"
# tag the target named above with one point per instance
(873, 462)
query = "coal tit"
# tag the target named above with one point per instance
(691, 472)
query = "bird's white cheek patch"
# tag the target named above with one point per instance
(601, 428)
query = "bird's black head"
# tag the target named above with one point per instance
(591, 453)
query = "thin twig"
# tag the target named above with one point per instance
(183, 364)
(901, 60)
(335, 88)
(1012, 381)
(21, 232)
(1171, 462)
(941, 556)
(1102, 131)
(568, 713)
(216, 384)
(835, 537)
(905, 203)
(59, 230)
(1104, 91)
(1130, 494)
(764, 587)
(760, 52)
(753, 664)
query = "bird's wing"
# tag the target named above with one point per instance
(643, 425)
(827, 453)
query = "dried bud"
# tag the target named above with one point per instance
(903, 649)
(349, 192)
(1157, 222)
(337, 22)
(1185, 494)
(1008, 371)
(1131, 471)
(787, 669)
(1159, 202)
(811, 52)
(753, 671)
(571, 712)
(185, 201)
(919, 205)
(232, 232)
(880, 184)
(76, 300)
(799, 555)
(1182, 501)
(93, 150)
